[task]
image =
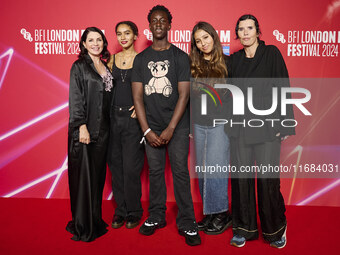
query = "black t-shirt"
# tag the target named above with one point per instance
(160, 72)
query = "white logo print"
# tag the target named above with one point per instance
(27, 35)
(148, 34)
(280, 37)
(159, 83)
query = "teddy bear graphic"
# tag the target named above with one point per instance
(159, 83)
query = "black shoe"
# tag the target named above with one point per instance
(132, 221)
(202, 225)
(150, 225)
(219, 224)
(70, 227)
(117, 221)
(191, 235)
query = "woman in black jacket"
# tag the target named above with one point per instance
(89, 104)
(260, 67)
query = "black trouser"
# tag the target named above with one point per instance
(178, 149)
(270, 201)
(86, 173)
(126, 160)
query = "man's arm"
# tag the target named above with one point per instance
(137, 93)
(184, 92)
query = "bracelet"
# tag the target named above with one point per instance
(145, 133)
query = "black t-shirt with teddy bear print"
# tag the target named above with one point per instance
(160, 72)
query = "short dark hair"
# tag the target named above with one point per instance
(132, 25)
(244, 17)
(83, 51)
(160, 8)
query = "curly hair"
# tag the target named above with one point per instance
(105, 55)
(216, 67)
(160, 8)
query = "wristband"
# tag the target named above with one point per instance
(145, 133)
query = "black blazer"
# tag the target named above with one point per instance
(263, 72)
(85, 98)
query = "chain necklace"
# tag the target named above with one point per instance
(123, 76)
(127, 61)
(124, 62)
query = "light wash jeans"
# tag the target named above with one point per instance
(213, 156)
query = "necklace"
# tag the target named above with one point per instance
(123, 61)
(123, 76)
(127, 61)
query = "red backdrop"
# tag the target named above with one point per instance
(39, 43)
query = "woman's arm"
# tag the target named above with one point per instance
(77, 104)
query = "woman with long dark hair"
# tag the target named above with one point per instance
(209, 66)
(88, 134)
(260, 67)
(126, 154)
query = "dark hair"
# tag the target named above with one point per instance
(160, 8)
(83, 51)
(217, 67)
(244, 17)
(132, 25)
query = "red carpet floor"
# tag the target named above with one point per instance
(37, 226)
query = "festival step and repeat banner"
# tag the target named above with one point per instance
(40, 41)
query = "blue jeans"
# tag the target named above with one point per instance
(212, 159)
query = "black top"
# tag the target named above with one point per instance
(267, 64)
(160, 72)
(88, 100)
(123, 92)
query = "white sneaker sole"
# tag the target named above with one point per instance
(238, 245)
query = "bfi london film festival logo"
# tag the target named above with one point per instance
(27, 35)
(279, 36)
(303, 43)
(182, 39)
(54, 41)
(239, 105)
(148, 34)
(179, 38)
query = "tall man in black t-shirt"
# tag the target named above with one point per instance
(160, 87)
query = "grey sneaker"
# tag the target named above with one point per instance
(280, 243)
(238, 241)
